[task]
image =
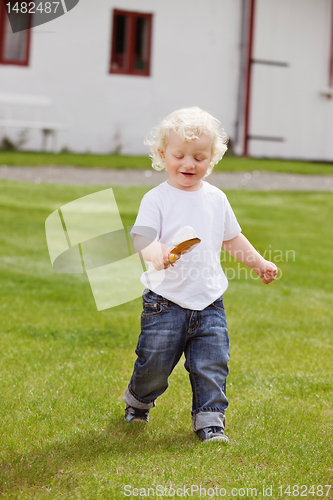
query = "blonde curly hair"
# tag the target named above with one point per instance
(188, 124)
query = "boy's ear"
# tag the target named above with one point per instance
(161, 153)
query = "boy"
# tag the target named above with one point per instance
(183, 311)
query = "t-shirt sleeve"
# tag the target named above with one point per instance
(148, 221)
(231, 226)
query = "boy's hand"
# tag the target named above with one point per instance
(153, 251)
(267, 271)
(160, 257)
(249, 256)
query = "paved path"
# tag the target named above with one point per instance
(236, 180)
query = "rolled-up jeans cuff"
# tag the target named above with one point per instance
(207, 419)
(133, 401)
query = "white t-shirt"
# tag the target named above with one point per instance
(197, 278)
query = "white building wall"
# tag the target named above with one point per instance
(287, 102)
(195, 61)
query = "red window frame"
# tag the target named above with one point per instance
(130, 43)
(3, 20)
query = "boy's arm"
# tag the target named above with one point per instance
(240, 248)
(152, 251)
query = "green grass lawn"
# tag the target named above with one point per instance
(228, 164)
(64, 366)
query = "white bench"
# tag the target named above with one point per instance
(35, 105)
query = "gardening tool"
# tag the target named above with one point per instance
(184, 241)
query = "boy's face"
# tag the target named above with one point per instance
(187, 162)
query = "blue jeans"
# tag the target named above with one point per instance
(168, 331)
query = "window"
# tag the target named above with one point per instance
(14, 47)
(131, 36)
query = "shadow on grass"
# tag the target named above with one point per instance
(38, 468)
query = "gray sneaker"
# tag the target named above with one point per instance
(212, 434)
(136, 415)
